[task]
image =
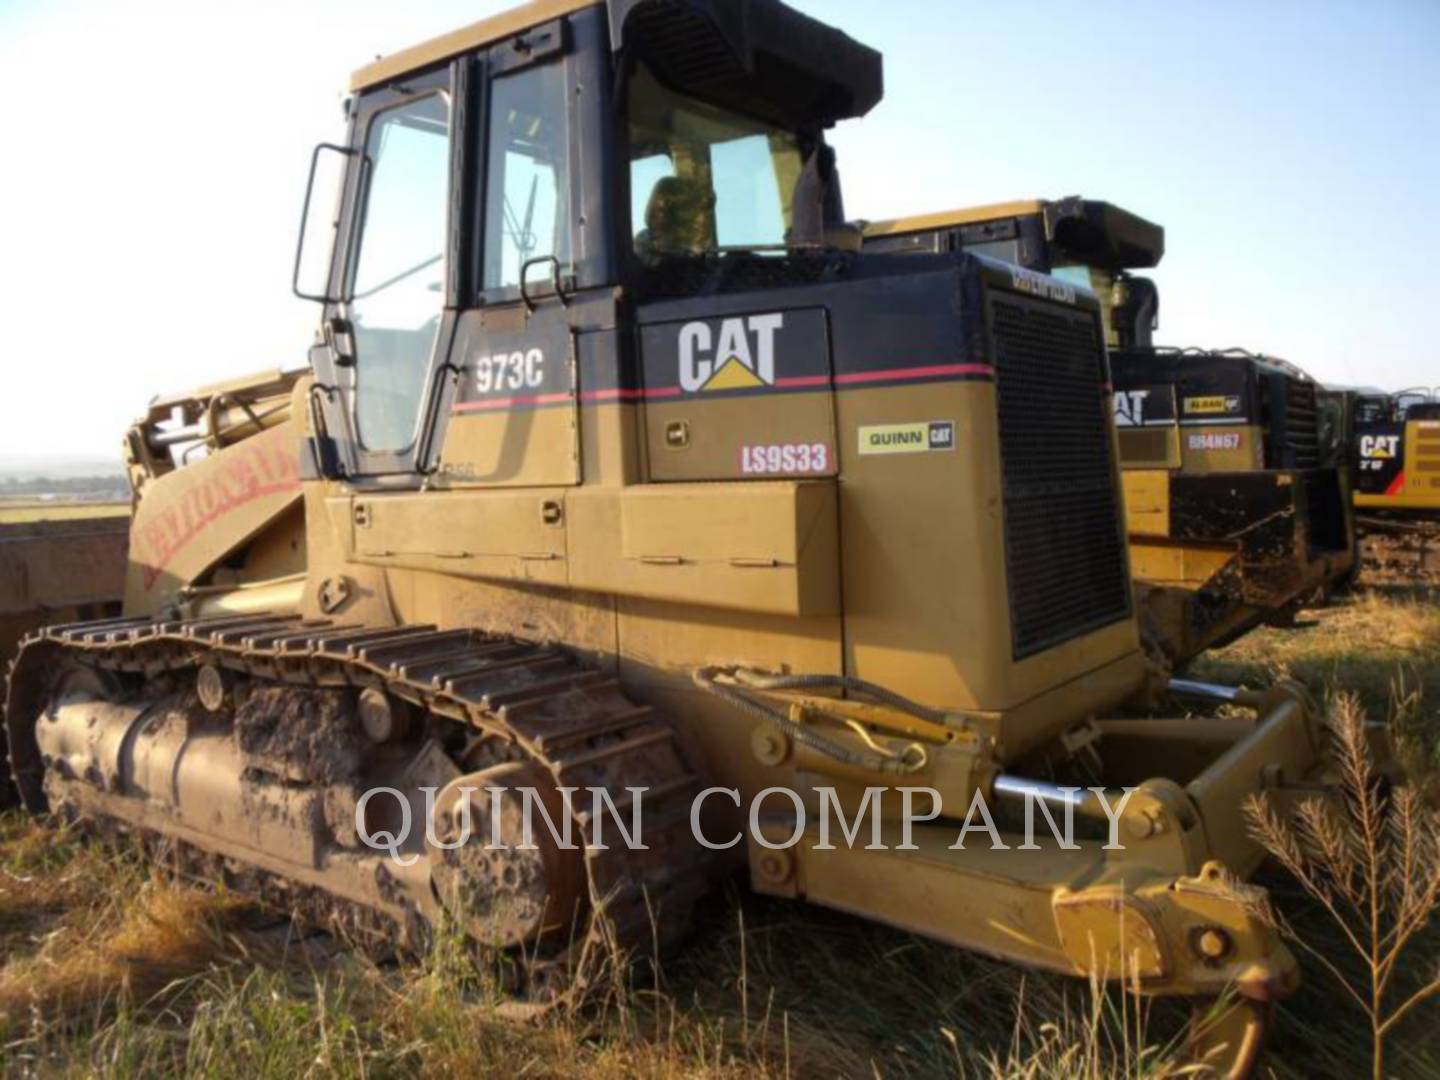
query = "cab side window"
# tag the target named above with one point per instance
(527, 193)
(399, 271)
(703, 179)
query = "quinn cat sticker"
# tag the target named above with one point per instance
(921, 438)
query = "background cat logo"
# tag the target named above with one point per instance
(1130, 407)
(1380, 447)
(740, 357)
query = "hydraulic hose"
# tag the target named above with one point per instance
(705, 678)
(843, 682)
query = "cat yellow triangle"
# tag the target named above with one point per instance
(733, 375)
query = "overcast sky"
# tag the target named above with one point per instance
(154, 156)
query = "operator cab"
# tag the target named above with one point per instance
(529, 166)
(1378, 407)
(1089, 243)
(593, 284)
(1419, 403)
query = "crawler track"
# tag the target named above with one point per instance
(1396, 551)
(531, 702)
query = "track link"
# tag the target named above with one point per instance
(1398, 551)
(547, 706)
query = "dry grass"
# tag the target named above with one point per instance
(1369, 856)
(84, 931)
(117, 974)
(104, 971)
(1381, 644)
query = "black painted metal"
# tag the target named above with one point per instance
(1064, 540)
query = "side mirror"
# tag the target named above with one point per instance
(316, 243)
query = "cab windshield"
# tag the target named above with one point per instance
(1374, 410)
(704, 180)
(1407, 400)
(1102, 283)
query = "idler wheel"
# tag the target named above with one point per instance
(504, 891)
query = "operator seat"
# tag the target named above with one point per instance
(679, 219)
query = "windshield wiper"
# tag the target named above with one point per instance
(399, 277)
(747, 249)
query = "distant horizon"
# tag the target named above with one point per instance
(61, 466)
(1282, 146)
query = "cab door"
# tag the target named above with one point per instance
(388, 335)
(486, 411)
(512, 420)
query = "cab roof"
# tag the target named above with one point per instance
(463, 40)
(1096, 233)
(758, 56)
(946, 219)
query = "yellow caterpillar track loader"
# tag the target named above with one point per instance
(630, 491)
(1394, 442)
(1234, 518)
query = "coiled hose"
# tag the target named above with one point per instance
(705, 678)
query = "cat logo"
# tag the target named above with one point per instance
(1380, 447)
(1210, 406)
(1130, 407)
(740, 357)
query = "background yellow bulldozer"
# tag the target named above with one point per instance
(1233, 517)
(1393, 442)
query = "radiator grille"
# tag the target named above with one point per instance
(1427, 451)
(1064, 537)
(1302, 425)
